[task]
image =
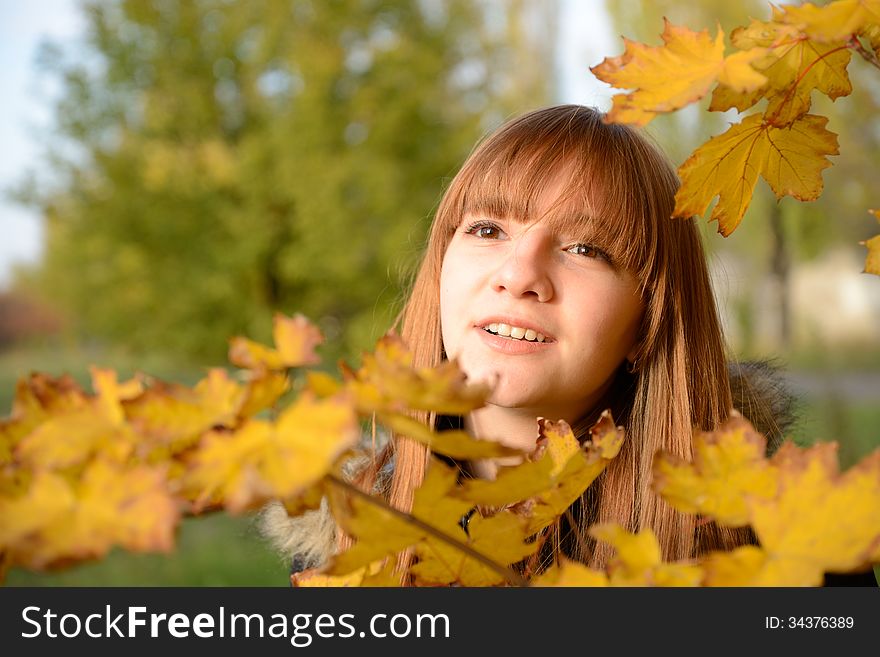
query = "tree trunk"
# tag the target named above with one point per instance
(780, 270)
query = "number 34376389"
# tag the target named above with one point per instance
(809, 622)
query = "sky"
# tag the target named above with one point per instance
(585, 37)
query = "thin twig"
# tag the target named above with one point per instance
(509, 575)
(867, 55)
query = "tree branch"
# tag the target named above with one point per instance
(868, 55)
(510, 576)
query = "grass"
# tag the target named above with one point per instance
(854, 425)
(216, 550)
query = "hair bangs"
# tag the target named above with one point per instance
(613, 189)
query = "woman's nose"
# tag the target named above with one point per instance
(525, 270)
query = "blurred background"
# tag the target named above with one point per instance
(173, 172)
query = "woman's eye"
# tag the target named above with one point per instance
(485, 230)
(588, 251)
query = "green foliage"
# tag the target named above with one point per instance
(220, 161)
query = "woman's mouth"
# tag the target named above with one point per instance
(514, 332)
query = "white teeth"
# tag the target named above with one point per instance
(515, 332)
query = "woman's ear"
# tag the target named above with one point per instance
(631, 358)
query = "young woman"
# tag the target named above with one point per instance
(555, 272)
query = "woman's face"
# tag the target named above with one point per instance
(506, 285)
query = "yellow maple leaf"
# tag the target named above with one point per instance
(263, 460)
(750, 565)
(790, 159)
(387, 382)
(322, 384)
(820, 520)
(500, 538)
(729, 465)
(377, 574)
(37, 398)
(112, 505)
(872, 260)
(739, 567)
(454, 443)
(560, 472)
(295, 341)
(568, 573)
(575, 467)
(95, 425)
(380, 531)
(46, 497)
(638, 562)
(673, 75)
(175, 416)
(836, 21)
(263, 389)
(794, 66)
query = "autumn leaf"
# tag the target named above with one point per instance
(388, 383)
(175, 416)
(500, 537)
(729, 466)
(262, 390)
(93, 425)
(322, 384)
(263, 460)
(47, 497)
(295, 341)
(453, 443)
(560, 472)
(575, 467)
(377, 574)
(675, 74)
(872, 260)
(794, 66)
(638, 562)
(821, 520)
(37, 398)
(109, 505)
(744, 566)
(381, 532)
(790, 159)
(836, 21)
(568, 573)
